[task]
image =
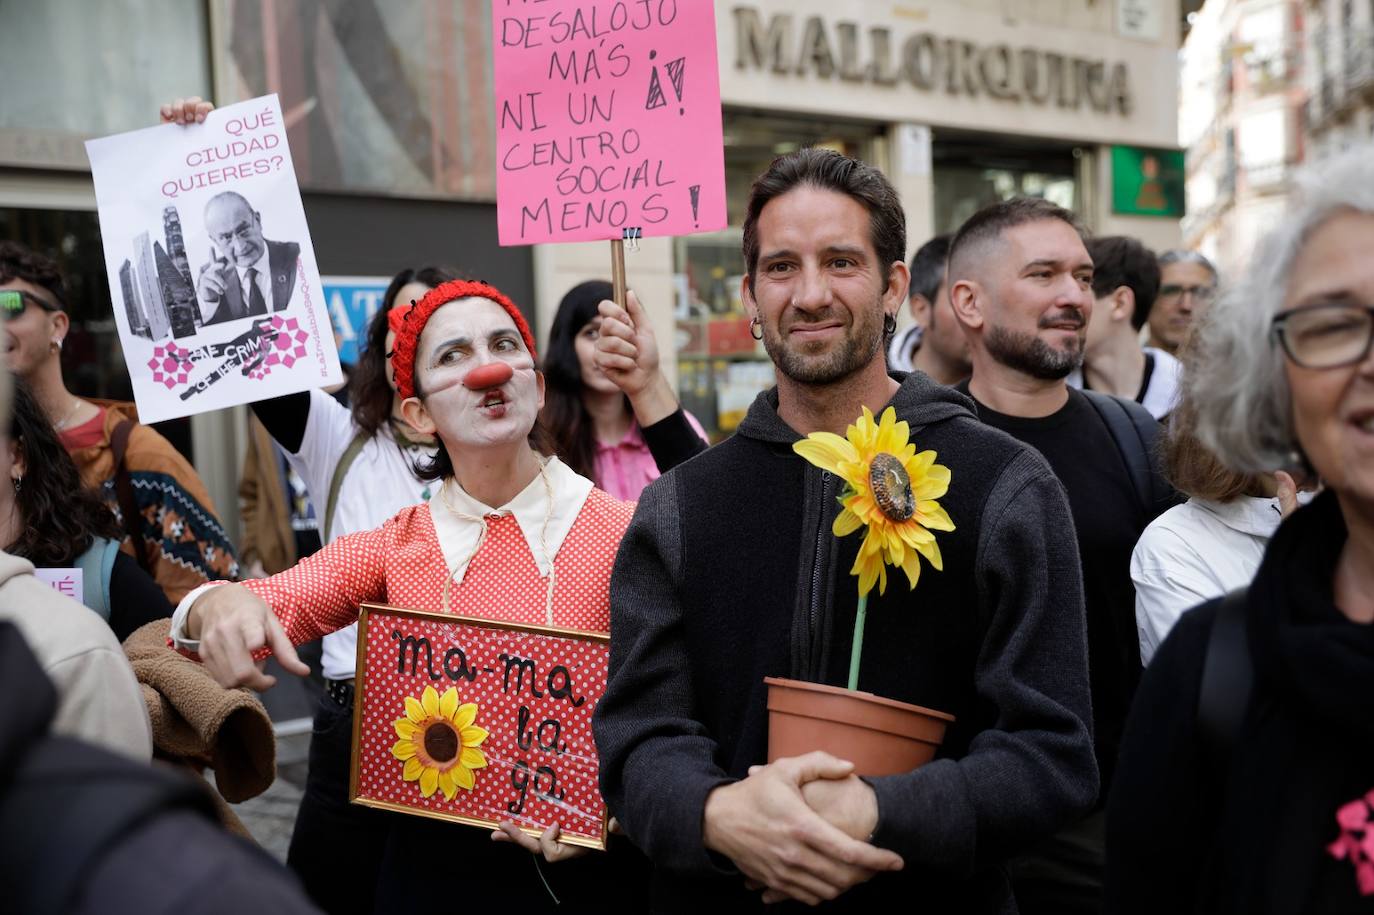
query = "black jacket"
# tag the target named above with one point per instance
(729, 573)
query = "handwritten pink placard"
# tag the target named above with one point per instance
(608, 118)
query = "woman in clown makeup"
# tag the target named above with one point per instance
(508, 533)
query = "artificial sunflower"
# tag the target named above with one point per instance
(890, 490)
(439, 742)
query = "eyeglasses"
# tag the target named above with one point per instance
(1326, 336)
(12, 303)
(1199, 293)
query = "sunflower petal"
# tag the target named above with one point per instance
(466, 715)
(405, 728)
(826, 450)
(464, 778)
(473, 758)
(868, 574)
(414, 710)
(933, 515)
(403, 749)
(911, 565)
(448, 703)
(412, 770)
(429, 779)
(447, 784)
(429, 700)
(931, 551)
(846, 523)
(473, 736)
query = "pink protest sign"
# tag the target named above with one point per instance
(608, 118)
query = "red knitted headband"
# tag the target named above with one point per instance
(407, 322)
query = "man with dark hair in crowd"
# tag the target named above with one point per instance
(171, 524)
(730, 572)
(1021, 284)
(1125, 283)
(935, 344)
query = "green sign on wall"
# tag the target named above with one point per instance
(1147, 182)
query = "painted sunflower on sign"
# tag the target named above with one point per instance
(892, 492)
(439, 742)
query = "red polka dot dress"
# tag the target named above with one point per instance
(403, 563)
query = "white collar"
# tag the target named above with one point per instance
(1255, 515)
(459, 536)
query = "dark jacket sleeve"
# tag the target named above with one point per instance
(135, 598)
(1034, 770)
(672, 440)
(657, 759)
(284, 418)
(1163, 809)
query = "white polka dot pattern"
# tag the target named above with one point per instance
(551, 778)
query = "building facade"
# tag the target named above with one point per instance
(1339, 74)
(1241, 118)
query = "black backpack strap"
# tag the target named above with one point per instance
(1136, 434)
(1228, 676)
(69, 804)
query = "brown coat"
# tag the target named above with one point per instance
(198, 723)
(267, 534)
(182, 536)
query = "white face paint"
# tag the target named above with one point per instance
(463, 335)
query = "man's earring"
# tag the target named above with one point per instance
(56, 345)
(889, 324)
(755, 328)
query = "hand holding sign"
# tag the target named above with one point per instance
(608, 117)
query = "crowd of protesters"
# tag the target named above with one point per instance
(1153, 621)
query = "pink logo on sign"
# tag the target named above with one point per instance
(608, 118)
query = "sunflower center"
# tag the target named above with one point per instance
(891, 487)
(441, 742)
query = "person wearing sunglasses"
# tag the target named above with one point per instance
(1246, 781)
(165, 510)
(1187, 283)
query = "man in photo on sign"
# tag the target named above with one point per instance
(730, 573)
(246, 271)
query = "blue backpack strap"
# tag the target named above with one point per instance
(96, 564)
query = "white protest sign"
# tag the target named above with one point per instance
(215, 286)
(70, 582)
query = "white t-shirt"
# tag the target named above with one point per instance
(380, 482)
(1161, 388)
(1193, 553)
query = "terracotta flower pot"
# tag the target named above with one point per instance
(880, 736)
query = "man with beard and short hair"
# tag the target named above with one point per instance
(935, 344)
(730, 572)
(1021, 284)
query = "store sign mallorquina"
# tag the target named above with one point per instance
(845, 50)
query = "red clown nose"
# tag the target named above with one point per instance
(491, 375)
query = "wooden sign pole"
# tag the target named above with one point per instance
(618, 271)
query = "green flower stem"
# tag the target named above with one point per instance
(857, 651)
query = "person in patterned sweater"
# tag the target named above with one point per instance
(508, 534)
(173, 530)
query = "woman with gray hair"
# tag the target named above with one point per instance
(1246, 781)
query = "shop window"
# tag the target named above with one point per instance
(970, 174)
(721, 368)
